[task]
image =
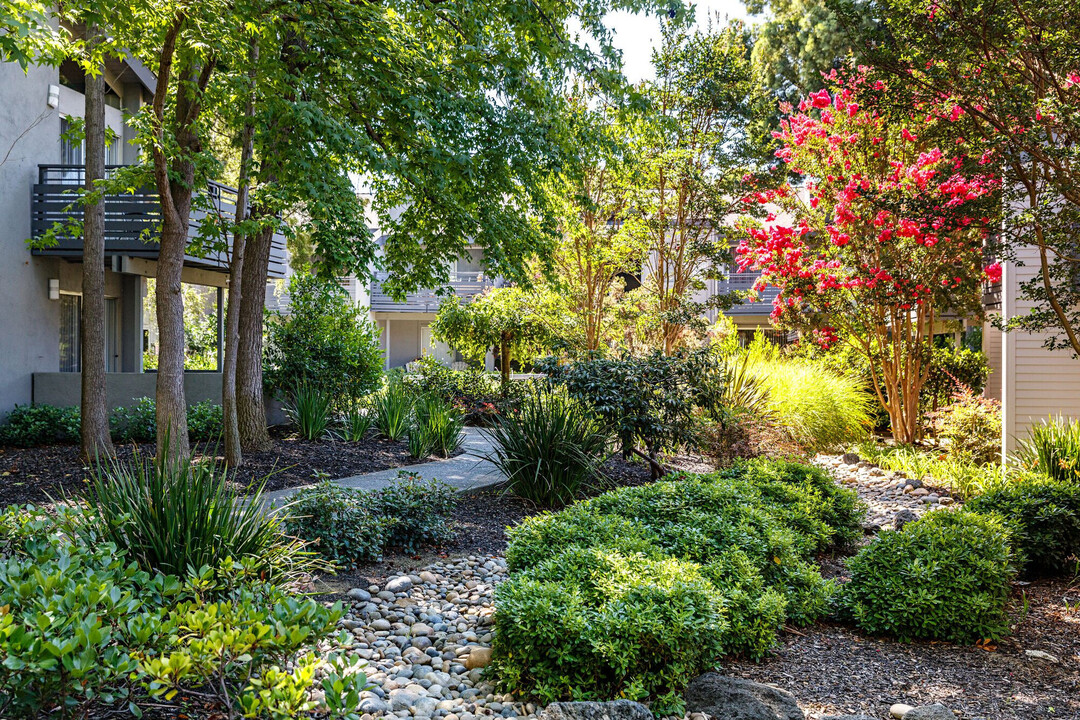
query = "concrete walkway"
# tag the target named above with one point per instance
(468, 472)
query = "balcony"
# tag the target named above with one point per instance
(464, 285)
(132, 221)
(744, 281)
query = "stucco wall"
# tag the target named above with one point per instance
(29, 322)
(122, 389)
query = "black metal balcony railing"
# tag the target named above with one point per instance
(132, 221)
(466, 286)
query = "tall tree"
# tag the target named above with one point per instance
(94, 435)
(1008, 73)
(691, 155)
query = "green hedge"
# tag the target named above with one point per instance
(946, 576)
(636, 591)
(1044, 517)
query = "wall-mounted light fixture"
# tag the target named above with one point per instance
(54, 288)
(54, 96)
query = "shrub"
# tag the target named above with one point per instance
(605, 594)
(440, 425)
(172, 515)
(419, 441)
(1044, 517)
(355, 423)
(819, 409)
(349, 526)
(309, 410)
(393, 408)
(205, 421)
(339, 523)
(549, 449)
(648, 402)
(971, 425)
(136, 423)
(420, 510)
(953, 371)
(477, 394)
(87, 633)
(945, 576)
(1052, 448)
(593, 623)
(30, 425)
(325, 340)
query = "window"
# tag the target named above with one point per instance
(71, 334)
(70, 315)
(71, 151)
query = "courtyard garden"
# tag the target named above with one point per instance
(714, 438)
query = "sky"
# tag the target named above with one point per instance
(637, 35)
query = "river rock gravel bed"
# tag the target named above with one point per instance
(425, 637)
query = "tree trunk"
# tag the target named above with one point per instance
(94, 428)
(504, 355)
(250, 406)
(230, 420)
(172, 435)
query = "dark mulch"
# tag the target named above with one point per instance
(834, 669)
(32, 475)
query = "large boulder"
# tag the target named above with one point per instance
(728, 698)
(614, 710)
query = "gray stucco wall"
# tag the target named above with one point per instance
(122, 389)
(29, 322)
(404, 341)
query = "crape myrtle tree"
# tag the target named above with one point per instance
(690, 155)
(887, 236)
(1009, 72)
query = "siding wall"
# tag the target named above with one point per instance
(1037, 383)
(992, 348)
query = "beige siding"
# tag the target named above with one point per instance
(1037, 383)
(992, 348)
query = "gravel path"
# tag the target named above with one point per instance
(425, 636)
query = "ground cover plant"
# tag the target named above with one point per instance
(963, 478)
(89, 630)
(350, 526)
(634, 592)
(946, 576)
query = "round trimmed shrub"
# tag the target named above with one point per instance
(1044, 517)
(945, 576)
(591, 623)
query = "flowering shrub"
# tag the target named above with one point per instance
(888, 236)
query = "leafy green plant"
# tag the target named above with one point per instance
(1044, 516)
(350, 526)
(952, 371)
(1052, 448)
(605, 595)
(647, 402)
(85, 632)
(309, 410)
(355, 423)
(971, 427)
(135, 423)
(325, 340)
(946, 576)
(439, 424)
(549, 449)
(393, 409)
(172, 515)
(339, 523)
(204, 421)
(420, 510)
(31, 425)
